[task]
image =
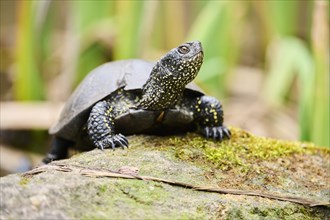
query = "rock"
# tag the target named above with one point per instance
(60, 191)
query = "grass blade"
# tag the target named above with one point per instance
(320, 41)
(28, 84)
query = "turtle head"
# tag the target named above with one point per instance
(183, 62)
(170, 76)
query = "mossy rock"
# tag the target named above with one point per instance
(245, 162)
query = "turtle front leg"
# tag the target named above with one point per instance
(101, 127)
(209, 115)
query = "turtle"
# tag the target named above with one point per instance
(135, 96)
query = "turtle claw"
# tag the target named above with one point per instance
(117, 140)
(124, 140)
(226, 131)
(113, 145)
(206, 132)
(121, 140)
(217, 133)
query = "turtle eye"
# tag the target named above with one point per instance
(183, 49)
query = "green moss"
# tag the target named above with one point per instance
(289, 212)
(242, 150)
(128, 194)
(103, 188)
(24, 181)
(190, 216)
(143, 192)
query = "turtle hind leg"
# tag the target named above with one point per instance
(100, 127)
(208, 113)
(59, 150)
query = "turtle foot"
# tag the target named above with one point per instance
(217, 133)
(114, 141)
(49, 158)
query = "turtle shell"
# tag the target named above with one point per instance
(99, 83)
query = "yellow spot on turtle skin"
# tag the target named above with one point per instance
(107, 125)
(108, 112)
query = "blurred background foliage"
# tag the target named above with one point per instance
(47, 47)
